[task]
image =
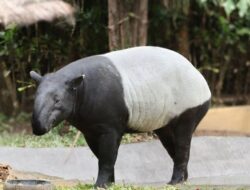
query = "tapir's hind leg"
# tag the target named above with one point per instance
(166, 136)
(176, 138)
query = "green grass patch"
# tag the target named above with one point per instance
(55, 139)
(51, 139)
(13, 133)
(118, 187)
(166, 187)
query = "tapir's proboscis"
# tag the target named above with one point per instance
(139, 89)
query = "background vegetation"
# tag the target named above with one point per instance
(213, 34)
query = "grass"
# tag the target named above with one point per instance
(13, 134)
(113, 187)
(51, 139)
(167, 187)
(130, 187)
(31, 141)
(117, 187)
(55, 139)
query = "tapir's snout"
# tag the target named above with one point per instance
(37, 127)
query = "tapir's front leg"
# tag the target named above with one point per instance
(108, 144)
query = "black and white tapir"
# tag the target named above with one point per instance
(138, 89)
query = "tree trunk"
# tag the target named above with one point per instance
(8, 94)
(127, 23)
(183, 41)
(220, 83)
(181, 8)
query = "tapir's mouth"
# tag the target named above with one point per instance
(39, 132)
(43, 130)
(38, 128)
(43, 123)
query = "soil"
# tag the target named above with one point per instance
(219, 133)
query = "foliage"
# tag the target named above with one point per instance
(45, 47)
(241, 6)
(218, 34)
(3, 123)
(225, 38)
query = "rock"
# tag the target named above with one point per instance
(4, 172)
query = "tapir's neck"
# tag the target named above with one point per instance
(76, 106)
(95, 69)
(94, 94)
(80, 67)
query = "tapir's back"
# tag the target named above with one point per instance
(159, 84)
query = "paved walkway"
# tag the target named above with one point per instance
(214, 160)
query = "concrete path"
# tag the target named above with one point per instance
(213, 160)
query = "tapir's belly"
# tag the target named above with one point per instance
(158, 85)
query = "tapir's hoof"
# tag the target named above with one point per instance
(176, 181)
(99, 186)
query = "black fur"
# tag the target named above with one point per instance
(176, 138)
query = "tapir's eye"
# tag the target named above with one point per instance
(56, 99)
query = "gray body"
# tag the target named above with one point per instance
(138, 89)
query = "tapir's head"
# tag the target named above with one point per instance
(54, 101)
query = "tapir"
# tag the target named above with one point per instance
(138, 89)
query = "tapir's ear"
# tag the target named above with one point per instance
(77, 81)
(34, 75)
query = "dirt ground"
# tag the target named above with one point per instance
(201, 132)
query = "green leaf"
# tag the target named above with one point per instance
(209, 68)
(6, 73)
(20, 89)
(243, 31)
(243, 6)
(203, 1)
(229, 6)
